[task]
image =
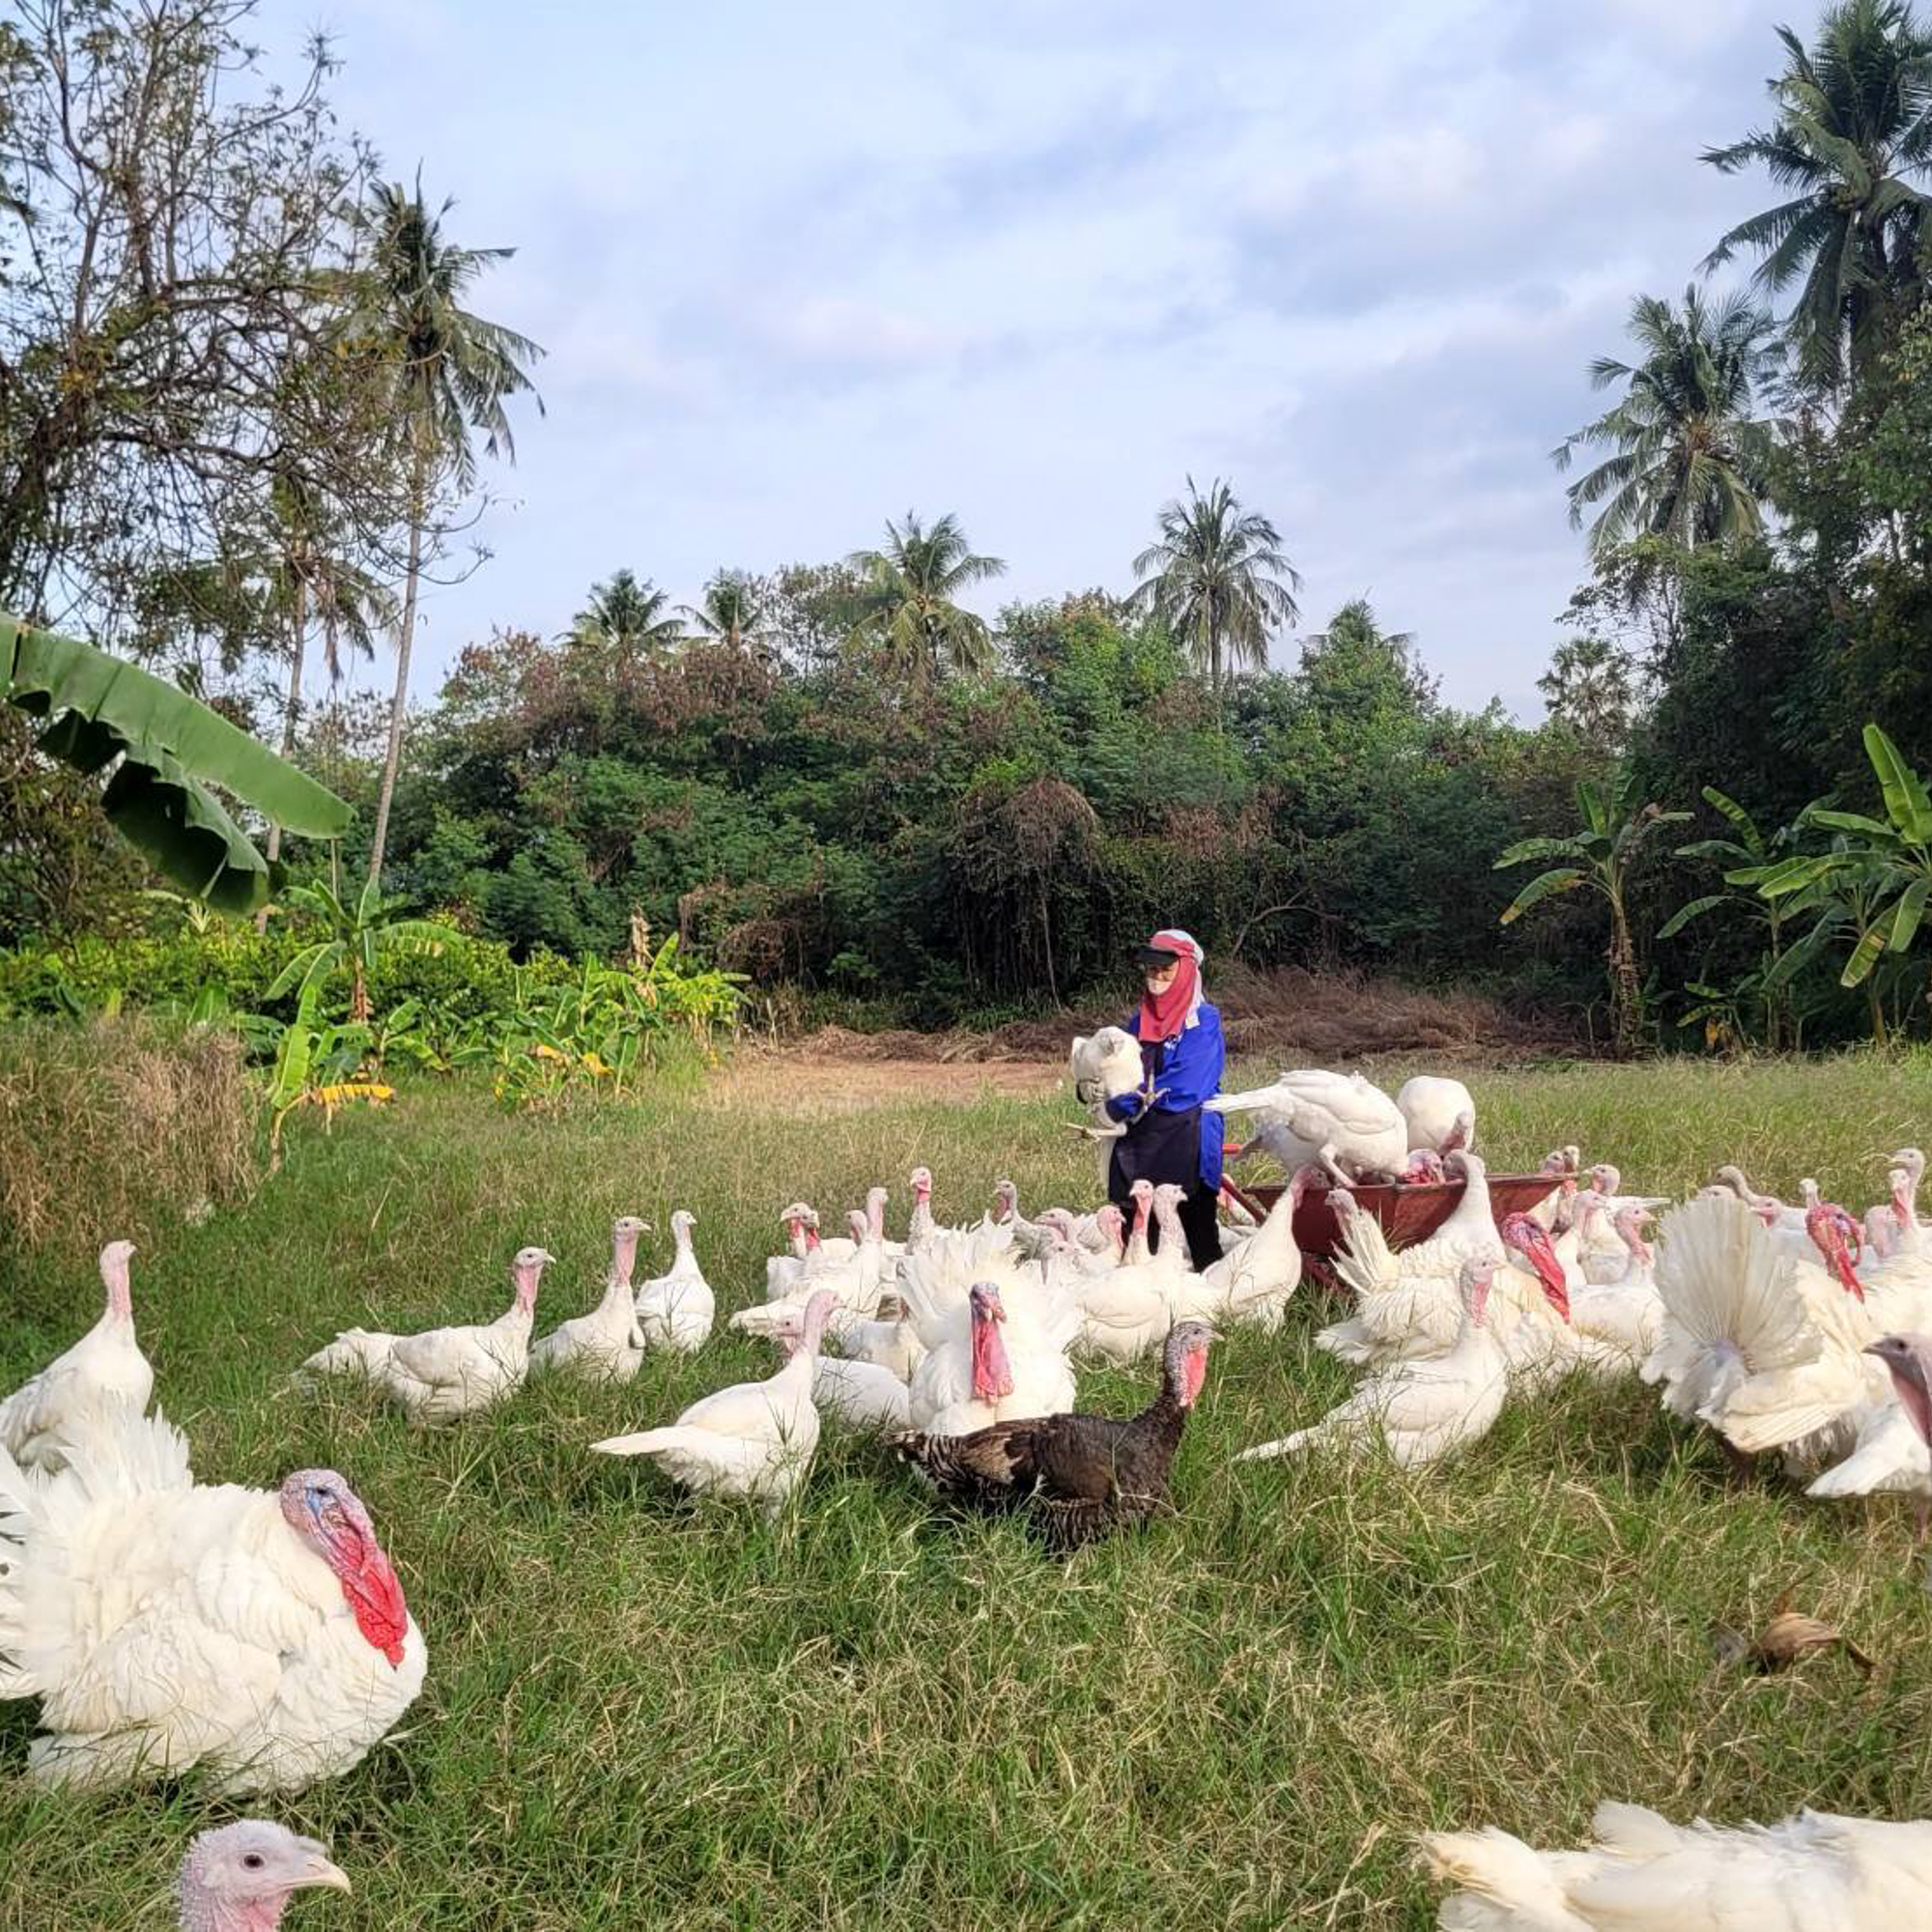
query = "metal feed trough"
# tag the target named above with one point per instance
(1406, 1214)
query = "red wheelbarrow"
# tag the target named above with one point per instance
(1408, 1215)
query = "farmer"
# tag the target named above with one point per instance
(1182, 1055)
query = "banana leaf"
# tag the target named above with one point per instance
(172, 749)
(1906, 803)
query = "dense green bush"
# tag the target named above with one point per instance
(468, 1001)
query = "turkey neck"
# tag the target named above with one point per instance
(618, 1294)
(201, 1914)
(1165, 1417)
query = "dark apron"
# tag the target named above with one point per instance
(1157, 1147)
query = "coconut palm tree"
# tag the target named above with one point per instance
(1690, 458)
(444, 374)
(906, 610)
(1219, 578)
(731, 612)
(629, 617)
(1852, 128)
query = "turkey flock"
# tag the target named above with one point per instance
(166, 1623)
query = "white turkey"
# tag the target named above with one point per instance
(1761, 1346)
(854, 1282)
(1556, 1208)
(837, 1249)
(445, 1374)
(240, 1876)
(1815, 1872)
(1125, 1313)
(1892, 1453)
(1892, 1226)
(1255, 1283)
(999, 1353)
(1615, 1325)
(1105, 1065)
(920, 1226)
(1344, 1124)
(606, 1344)
(103, 1373)
(261, 1635)
(1419, 1410)
(753, 1441)
(1407, 1303)
(782, 1272)
(1440, 1113)
(676, 1310)
(861, 1393)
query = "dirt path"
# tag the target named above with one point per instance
(806, 1083)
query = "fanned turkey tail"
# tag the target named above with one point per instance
(1731, 1309)
(43, 1519)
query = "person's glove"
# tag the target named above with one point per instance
(1125, 1106)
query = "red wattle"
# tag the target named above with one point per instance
(374, 1594)
(1193, 1372)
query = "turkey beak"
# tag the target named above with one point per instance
(317, 1869)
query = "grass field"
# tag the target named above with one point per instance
(642, 1712)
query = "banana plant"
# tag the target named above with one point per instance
(1870, 888)
(167, 750)
(354, 941)
(318, 1063)
(1602, 855)
(1747, 858)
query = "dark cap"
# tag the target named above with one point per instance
(1157, 955)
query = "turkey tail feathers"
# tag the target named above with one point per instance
(124, 1457)
(1722, 1281)
(356, 1352)
(1503, 1886)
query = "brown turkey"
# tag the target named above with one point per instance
(1079, 1477)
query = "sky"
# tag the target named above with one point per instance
(799, 269)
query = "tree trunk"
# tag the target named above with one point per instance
(1626, 987)
(1877, 1006)
(290, 719)
(404, 636)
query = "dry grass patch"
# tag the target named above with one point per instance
(107, 1129)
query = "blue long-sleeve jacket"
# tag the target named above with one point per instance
(1188, 1069)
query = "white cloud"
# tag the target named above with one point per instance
(797, 268)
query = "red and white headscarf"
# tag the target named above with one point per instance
(1166, 1013)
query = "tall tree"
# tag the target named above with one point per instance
(731, 611)
(1218, 577)
(627, 616)
(1591, 687)
(1853, 130)
(446, 372)
(907, 612)
(170, 221)
(1691, 456)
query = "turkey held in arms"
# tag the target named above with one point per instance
(1079, 1476)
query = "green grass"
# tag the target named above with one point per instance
(642, 1712)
